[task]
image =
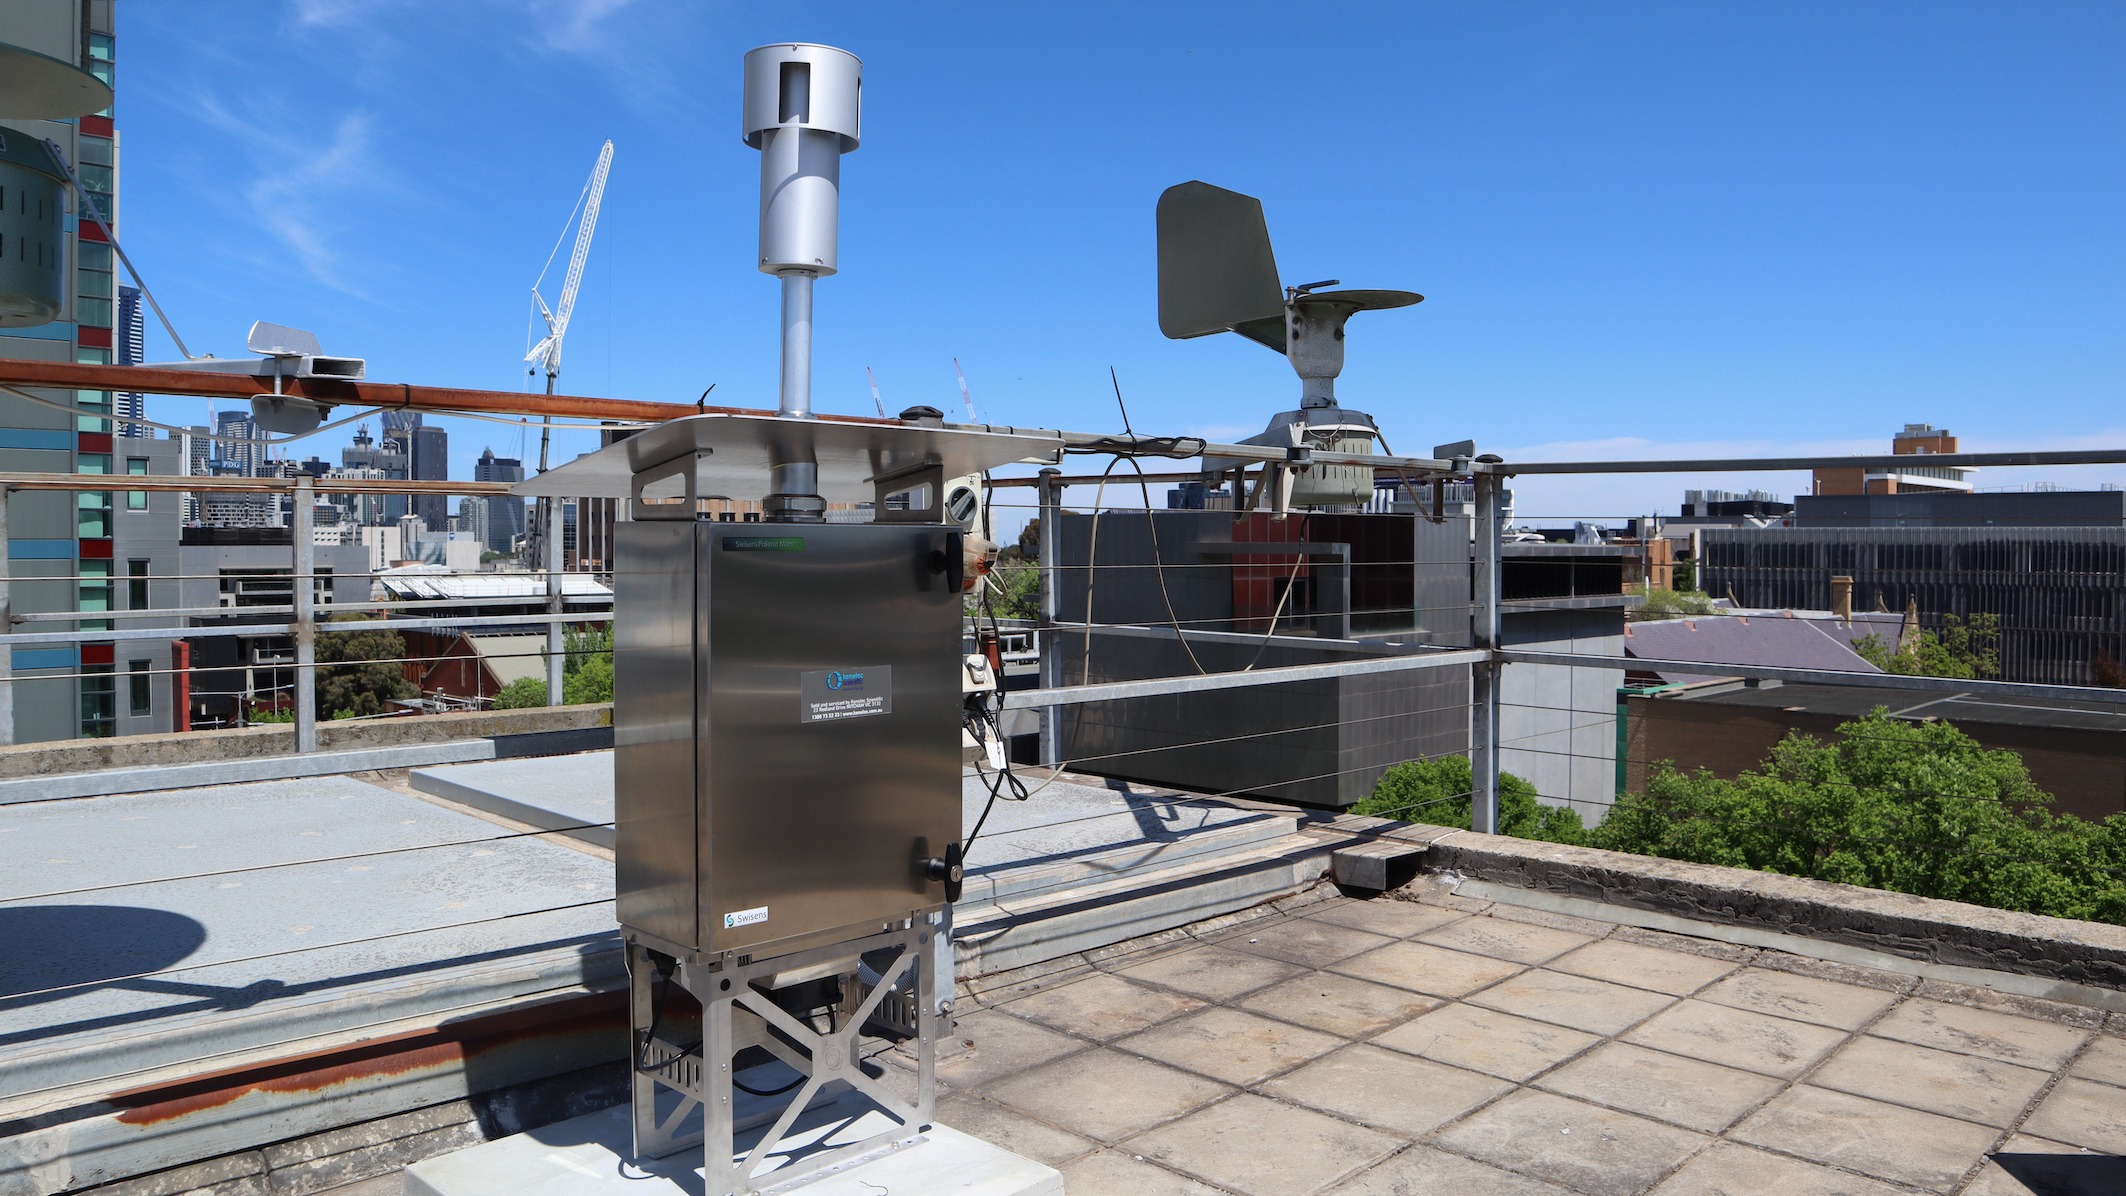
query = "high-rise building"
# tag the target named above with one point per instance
(1918, 441)
(505, 515)
(386, 459)
(431, 463)
(60, 545)
(130, 406)
(236, 444)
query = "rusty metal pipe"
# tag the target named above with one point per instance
(64, 375)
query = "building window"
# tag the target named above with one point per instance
(137, 676)
(95, 594)
(99, 701)
(136, 585)
(136, 500)
(100, 47)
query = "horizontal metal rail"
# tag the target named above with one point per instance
(1995, 689)
(1073, 695)
(1776, 464)
(165, 482)
(240, 630)
(324, 609)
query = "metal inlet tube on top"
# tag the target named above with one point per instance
(802, 112)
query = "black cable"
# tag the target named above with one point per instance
(741, 1086)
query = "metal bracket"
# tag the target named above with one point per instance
(736, 1014)
(688, 469)
(925, 480)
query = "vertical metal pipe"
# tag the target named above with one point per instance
(796, 398)
(305, 617)
(556, 656)
(1484, 634)
(1051, 651)
(7, 623)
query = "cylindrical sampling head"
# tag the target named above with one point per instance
(803, 111)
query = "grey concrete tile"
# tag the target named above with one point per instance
(1385, 915)
(1591, 927)
(1309, 942)
(1497, 1044)
(1231, 1045)
(1737, 1038)
(1598, 1151)
(1427, 969)
(382, 1185)
(1115, 1173)
(2026, 1166)
(1837, 972)
(2082, 1113)
(1387, 1090)
(1966, 1086)
(1686, 1092)
(2063, 1013)
(1623, 962)
(1105, 1094)
(1003, 987)
(1010, 1129)
(2104, 1061)
(1885, 1141)
(1729, 1169)
(1213, 973)
(1802, 998)
(1577, 1001)
(1422, 1171)
(1340, 1004)
(1687, 944)
(1261, 1147)
(1501, 939)
(1001, 1045)
(1101, 1006)
(1972, 1031)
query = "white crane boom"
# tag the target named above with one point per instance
(548, 351)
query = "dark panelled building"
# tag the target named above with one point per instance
(2052, 566)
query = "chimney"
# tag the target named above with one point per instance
(1842, 597)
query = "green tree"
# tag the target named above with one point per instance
(359, 671)
(1669, 604)
(1437, 792)
(1012, 591)
(1966, 651)
(522, 694)
(1893, 804)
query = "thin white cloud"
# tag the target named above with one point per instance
(301, 174)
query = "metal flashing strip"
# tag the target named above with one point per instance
(227, 772)
(1947, 685)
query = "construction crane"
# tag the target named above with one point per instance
(547, 352)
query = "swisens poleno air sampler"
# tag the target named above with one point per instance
(786, 708)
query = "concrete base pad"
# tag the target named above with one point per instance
(588, 1156)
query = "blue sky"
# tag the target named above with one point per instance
(1642, 229)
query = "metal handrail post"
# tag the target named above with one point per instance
(556, 658)
(1051, 496)
(305, 591)
(1484, 636)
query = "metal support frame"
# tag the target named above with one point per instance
(7, 623)
(1051, 499)
(1484, 675)
(830, 1062)
(305, 593)
(556, 645)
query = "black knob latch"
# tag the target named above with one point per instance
(948, 869)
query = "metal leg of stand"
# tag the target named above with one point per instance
(831, 1061)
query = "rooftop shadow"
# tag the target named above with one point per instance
(47, 947)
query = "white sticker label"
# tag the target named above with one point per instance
(745, 917)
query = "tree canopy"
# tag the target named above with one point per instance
(1966, 651)
(1912, 807)
(361, 670)
(1437, 792)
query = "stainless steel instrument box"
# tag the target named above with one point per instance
(786, 706)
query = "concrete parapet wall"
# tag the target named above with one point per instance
(249, 743)
(1917, 928)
